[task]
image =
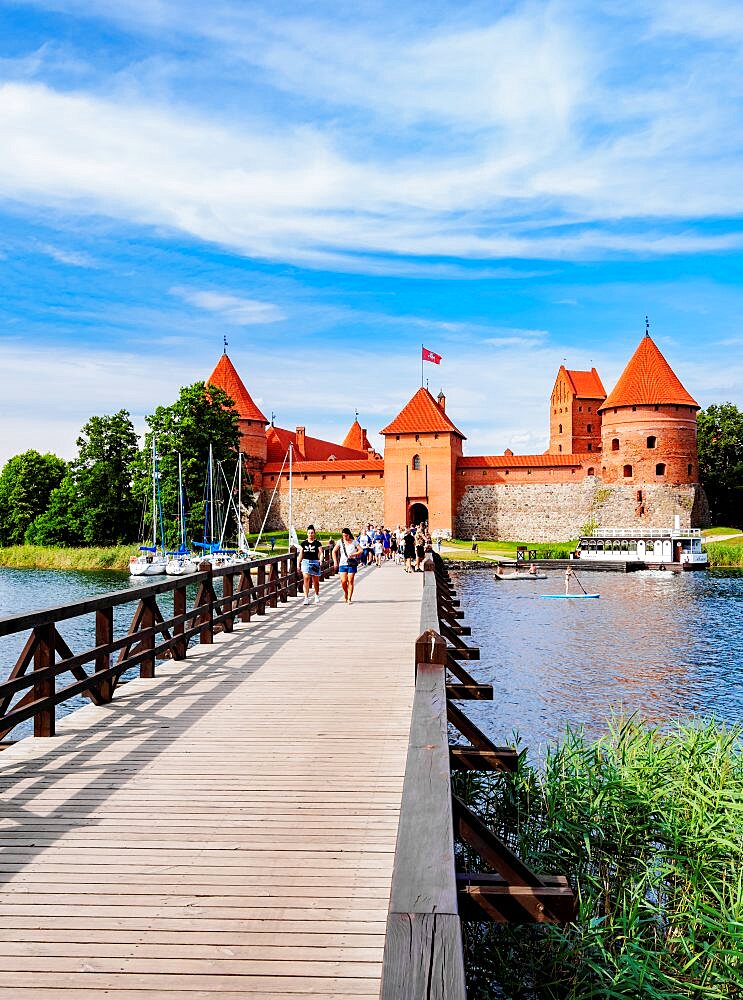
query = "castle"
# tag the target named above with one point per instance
(623, 460)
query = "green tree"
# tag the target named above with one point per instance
(200, 417)
(26, 485)
(720, 442)
(95, 504)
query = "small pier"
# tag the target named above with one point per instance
(267, 813)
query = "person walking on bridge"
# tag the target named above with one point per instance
(311, 556)
(346, 555)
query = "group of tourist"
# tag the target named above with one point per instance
(373, 546)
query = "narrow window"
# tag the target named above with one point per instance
(634, 409)
(688, 469)
(589, 428)
(559, 430)
(660, 469)
(652, 441)
(416, 461)
(590, 446)
(627, 471)
(615, 444)
(559, 447)
(589, 409)
(591, 471)
(580, 409)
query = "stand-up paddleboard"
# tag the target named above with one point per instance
(567, 597)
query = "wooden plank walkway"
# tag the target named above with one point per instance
(227, 828)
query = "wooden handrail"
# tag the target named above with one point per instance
(29, 691)
(423, 944)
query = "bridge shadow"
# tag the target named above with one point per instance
(155, 714)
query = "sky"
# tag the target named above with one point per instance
(330, 185)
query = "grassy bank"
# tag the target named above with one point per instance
(462, 549)
(648, 826)
(40, 557)
(729, 553)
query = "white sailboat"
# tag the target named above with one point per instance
(150, 562)
(181, 561)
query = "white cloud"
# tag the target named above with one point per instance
(232, 309)
(75, 258)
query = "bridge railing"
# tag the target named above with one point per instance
(423, 957)
(32, 689)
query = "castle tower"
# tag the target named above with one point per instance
(575, 423)
(357, 439)
(649, 424)
(421, 450)
(251, 421)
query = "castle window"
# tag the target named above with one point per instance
(652, 441)
(559, 447)
(590, 446)
(363, 475)
(397, 437)
(435, 437)
(657, 408)
(416, 463)
(506, 471)
(343, 475)
(324, 476)
(588, 428)
(528, 472)
(580, 409)
(634, 409)
(589, 409)
(615, 444)
(305, 477)
(627, 471)
(660, 469)
(688, 469)
(559, 428)
(484, 472)
(417, 438)
(591, 471)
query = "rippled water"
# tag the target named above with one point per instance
(664, 647)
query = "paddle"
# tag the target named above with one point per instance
(579, 583)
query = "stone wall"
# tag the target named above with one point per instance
(328, 510)
(558, 512)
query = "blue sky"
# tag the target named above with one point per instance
(331, 185)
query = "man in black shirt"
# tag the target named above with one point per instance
(310, 555)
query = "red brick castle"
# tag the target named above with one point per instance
(629, 458)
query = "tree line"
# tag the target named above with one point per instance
(99, 497)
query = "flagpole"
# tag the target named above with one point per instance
(421, 366)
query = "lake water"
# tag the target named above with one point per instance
(662, 647)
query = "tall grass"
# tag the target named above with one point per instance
(648, 825)
(42, 557)
(724, 553)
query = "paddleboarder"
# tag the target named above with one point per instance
(569, 574)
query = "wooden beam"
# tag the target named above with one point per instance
(463, 758)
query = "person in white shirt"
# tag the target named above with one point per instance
(346, 555)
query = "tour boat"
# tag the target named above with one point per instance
(672, 548)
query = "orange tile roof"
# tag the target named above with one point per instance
(225, 377)
(342, 465)
(421, 415)
(523, 461)
(648, 379)
(315, 449)
(586, 385)
(356, 438)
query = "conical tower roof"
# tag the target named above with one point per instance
(356, 438)
(648, 379)
(225, 377)
(422, 415)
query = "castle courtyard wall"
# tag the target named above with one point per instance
(327, 509)
(543, 512)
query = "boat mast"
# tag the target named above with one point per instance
(181, 504)
(154, 494)
(211, 495)
(291, 520)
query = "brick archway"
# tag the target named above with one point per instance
(418, 513)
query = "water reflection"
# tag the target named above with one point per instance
(664, 647)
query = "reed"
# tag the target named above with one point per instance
(724, 553)
(43, 557)
(648, 825)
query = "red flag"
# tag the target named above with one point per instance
(431, 356)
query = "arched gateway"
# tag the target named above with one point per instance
(418, 513)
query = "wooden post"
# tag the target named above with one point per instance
(147, 665)
(104, 634)
(293, 581)
(44, 687)
(206, 619)
(179, 608)
(228, 587)
(283, 581)
(245, 595)
(273, 585)
(260, 605)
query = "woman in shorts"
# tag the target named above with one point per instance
(346, 555)
(310, 553)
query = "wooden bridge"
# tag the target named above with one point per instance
(265, 813)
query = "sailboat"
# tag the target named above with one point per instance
(208, 546)
(151, 562)
(180, 561)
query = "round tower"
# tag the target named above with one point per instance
(251, 421)
(649, 424)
